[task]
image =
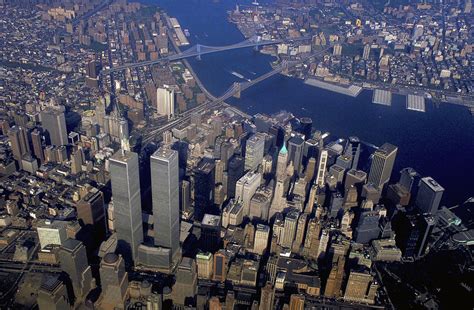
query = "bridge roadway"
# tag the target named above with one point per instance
(198, 50)
(232, 91)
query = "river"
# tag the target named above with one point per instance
(438, 143)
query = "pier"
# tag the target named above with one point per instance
(416, 103)
(382, 97)
(352, 90)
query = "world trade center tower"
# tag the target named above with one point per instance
(125, 181)
(165, 197)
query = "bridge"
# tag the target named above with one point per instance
(232, 91)
(198, 50)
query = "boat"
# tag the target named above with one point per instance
(237, 74)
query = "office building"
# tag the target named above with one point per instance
(204, 180)
(185, 287)
(210, 233)
(320, 177)
(295, 153)
(366, 53)
(361, 287)
(125, 179)
(53, 122)
(409, 179)
(291, 223)
(165, 198)
(36, 141)
(368, 227)
(52, 294)
(356, 178)
(267, 296)
(311, 244)
(185, 196)
(306, 126)
(419, 230)
(300, 231)
(282, 163)
(51, 232)
(254, 150)
(114, 282)
(297, 302)
(73, 261)
(382, 165)
(262, 233)
(246, 187)
(165, 101)
(19, 142)
(220, 266)
(91, 214)
(429, 195)
(336, 275)
(204, 262)
(234, 172)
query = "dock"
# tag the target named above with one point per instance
(416, 103)
(351, 90)
(382, 97)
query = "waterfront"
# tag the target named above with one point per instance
(438, 142)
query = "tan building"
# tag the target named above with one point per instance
(361, 287)
(204, 262)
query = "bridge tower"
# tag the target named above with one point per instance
(257, 43)
(198, 50)
(237, 89)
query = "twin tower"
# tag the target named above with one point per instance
(128, 223)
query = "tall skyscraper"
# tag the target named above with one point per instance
(165, 196)
(246, 187)
(320, 177)
(37, 145)
(306, 127)
(382, 165)
(261, 239)
(295, 152)
(114, 282)
(220, 266)
(254, 151)
(429, 195)
(291, 222)
(185, 287)
(300, 231)
(297, 302)
(19, 142)
(204, 262)
(204, 180)
(91, 215)
(334, 281)
(409, 179)
(282, 163)
(125, 179)
(52, 294)
(234, 172)
(266, 297)
(366, 53)
(73, 260)
(53, 122)
(165, 101)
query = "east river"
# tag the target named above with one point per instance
(437, 143)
